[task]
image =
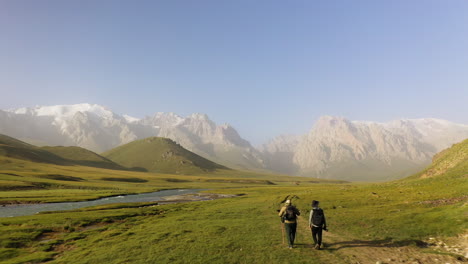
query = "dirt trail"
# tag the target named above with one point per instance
(339, 248)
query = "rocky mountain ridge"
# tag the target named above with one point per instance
(99, 129)
(354, 150)
(334, 148)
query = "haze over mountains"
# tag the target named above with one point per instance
(353, 150)
(334, 148)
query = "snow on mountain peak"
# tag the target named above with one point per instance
(66, 111)
(131, 119)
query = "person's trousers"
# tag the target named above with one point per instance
(290, 232)
(317, 235)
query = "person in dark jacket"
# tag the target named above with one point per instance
(289, 214)
(317, 223)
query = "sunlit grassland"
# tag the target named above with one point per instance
(243, 229)
(233, 230)
(23, 181)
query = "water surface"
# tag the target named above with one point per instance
(30, 209)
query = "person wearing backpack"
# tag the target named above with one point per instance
(289, 214)
(317, 223)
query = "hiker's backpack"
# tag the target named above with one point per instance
(290, 214)
(317, 217)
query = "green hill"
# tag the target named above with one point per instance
(84, 157)
(9, 141)
(160, 155)
(449, 162)
(14, 148)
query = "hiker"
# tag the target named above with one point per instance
(317, 223)
(288, 214)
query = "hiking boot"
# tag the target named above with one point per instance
(290, 247)
(317, 247)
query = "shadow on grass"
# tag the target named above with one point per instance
(303, 245)
(388, 242)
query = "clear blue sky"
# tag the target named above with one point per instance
(266, 67)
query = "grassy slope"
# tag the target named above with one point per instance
(84, 157)
(451, 161)
(9, 141)
(13, 148)
(236, 230)
(160, 155)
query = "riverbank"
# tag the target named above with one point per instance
(162, 197)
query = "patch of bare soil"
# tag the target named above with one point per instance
(456, 245)
(338, 248)
(386, 251)
(446, 201)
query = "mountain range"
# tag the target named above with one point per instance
(354, 150)
(334, 148)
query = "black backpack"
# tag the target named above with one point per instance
(290, 214)
(317, 217)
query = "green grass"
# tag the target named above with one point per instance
(9, 141)
(13, 148)
(26, 182)
(235, 230)
(215, 232)
(83, 157)
(453, 160)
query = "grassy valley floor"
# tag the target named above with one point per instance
(243, 229)
(387, 222)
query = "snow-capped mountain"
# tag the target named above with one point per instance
(334, 148)
(99, 129)
(352, 150)
(86, 125)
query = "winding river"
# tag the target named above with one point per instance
(30, 209)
